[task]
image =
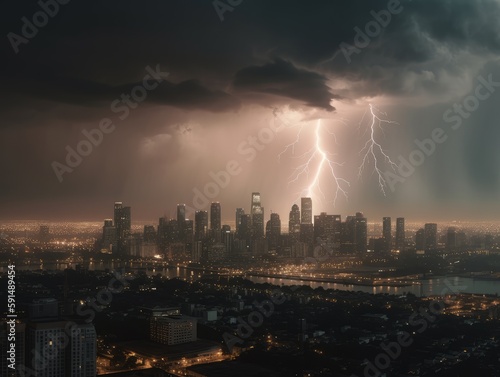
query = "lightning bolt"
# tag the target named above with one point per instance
(372, 148)
(315, 161)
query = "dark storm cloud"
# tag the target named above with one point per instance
(265, 52)
(282, 78)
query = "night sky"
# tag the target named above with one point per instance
(229, 73)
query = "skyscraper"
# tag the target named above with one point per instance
(294, 223)
(306, 210)
(327, 230)
(400, 233)
(215, 220)
(239, 213)
(430, 231)
(257, 216)
(181, 220)
(273, 232)
(122, 224)
(420, 239)
(245, 229)
(200, 225)
(451, 239)
(387, 233)
(361, 233)
(109, 241)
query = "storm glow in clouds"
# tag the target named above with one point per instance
(230, 79)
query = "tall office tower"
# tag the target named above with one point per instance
(227, 238)
(337, 231)
(420, 239)
(239, 212)
(361, 233)
(109, 241)
(430, 236)
(327, 230)
(400, 233)
(122, 224)
(348, 235)
(306, 211)
(200, 225)
(294, 223)
(257, 216)
(181, 220)
(387, 233)
(245, 229)
(451, 239)
(215, 221)
(162, 233)
(273, 232)
(168, 233)
(188, 232)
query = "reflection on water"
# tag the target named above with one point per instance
(434, 286)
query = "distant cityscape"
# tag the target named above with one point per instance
(198, 298)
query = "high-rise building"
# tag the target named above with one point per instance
(294, 223)
(227, 239)
(361, 233)
(387, 233)
(188, 232)
(400, 233)
(215, 220)
(327, 230)
(257, 216)
(349, 234)
(306, 211)
(451, 239)
(273, 232)
(181, 221)
(239, 212)
(245, 233)
(81, 361)
(122, 224)
(420, 239)
(200, 225)
(430, 236)
(109, 241)
(56, 347)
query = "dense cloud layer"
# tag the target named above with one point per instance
(225, 80)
